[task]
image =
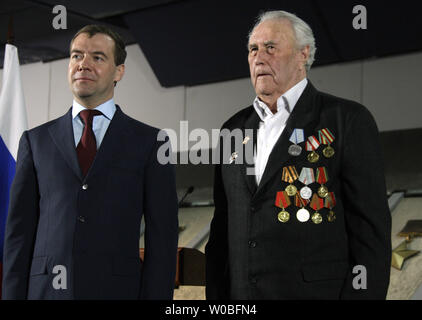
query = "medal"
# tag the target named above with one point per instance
(331, 216)
(313, 157)
(291, 190)
(295, 150)
(282, 201)
(316, 204)
(306, 177)
(326, 137)
(322, 178)
(330, 203)
(311, 145)
(289, 175)
(296, 137)
(283, 216)
(316, 218)
(306, 193)
(328, 152)
(302, 215)
(322, 191)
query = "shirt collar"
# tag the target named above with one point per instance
(291, 96)
(107, 108)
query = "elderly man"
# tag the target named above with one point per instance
(313, 221)
(73, 226)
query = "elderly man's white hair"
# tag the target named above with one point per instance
(303, 33)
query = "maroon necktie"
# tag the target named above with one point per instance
(87, 146)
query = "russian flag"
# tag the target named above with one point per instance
(12, 124)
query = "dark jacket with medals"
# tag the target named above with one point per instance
(251, 254)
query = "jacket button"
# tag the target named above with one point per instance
(81, 219)
(252, 244)
(85, 187)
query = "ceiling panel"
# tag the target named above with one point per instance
(190, 42)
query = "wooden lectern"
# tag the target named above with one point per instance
(190, 267)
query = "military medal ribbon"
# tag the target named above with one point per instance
(317, 203)
(325, 136)
(297, 136)
(300, 202)
(322, 176)
(312, 144)
(330, 201)
(289, 174)
(307, 176)
(282, 200)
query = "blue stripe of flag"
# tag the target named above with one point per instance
(7, 173)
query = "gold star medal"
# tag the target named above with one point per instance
(326, 137)
(311, 145)
(401, 254)
(290, 175)
(283, 201)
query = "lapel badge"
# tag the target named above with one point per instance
(246, 140)
(233, 157)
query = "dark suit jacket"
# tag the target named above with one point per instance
(251, 255)
(93, 231)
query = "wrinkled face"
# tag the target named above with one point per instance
(92, 71)
(275, 63)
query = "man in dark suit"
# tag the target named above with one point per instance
(313, 221)
(82, 184)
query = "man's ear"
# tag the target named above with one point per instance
(304, 54)
(120, 71)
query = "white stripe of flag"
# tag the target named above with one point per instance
(13, 120)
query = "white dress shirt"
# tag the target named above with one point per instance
(99, 124)
(272, 125)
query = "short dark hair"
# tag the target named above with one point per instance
(119, 45)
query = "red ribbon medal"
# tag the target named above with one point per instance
(311, 145)
(316, 204)
(322, 178)
(282, 200)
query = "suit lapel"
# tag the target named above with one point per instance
(304, 116)
(61, 132)
(111, 142)
(251, 123)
